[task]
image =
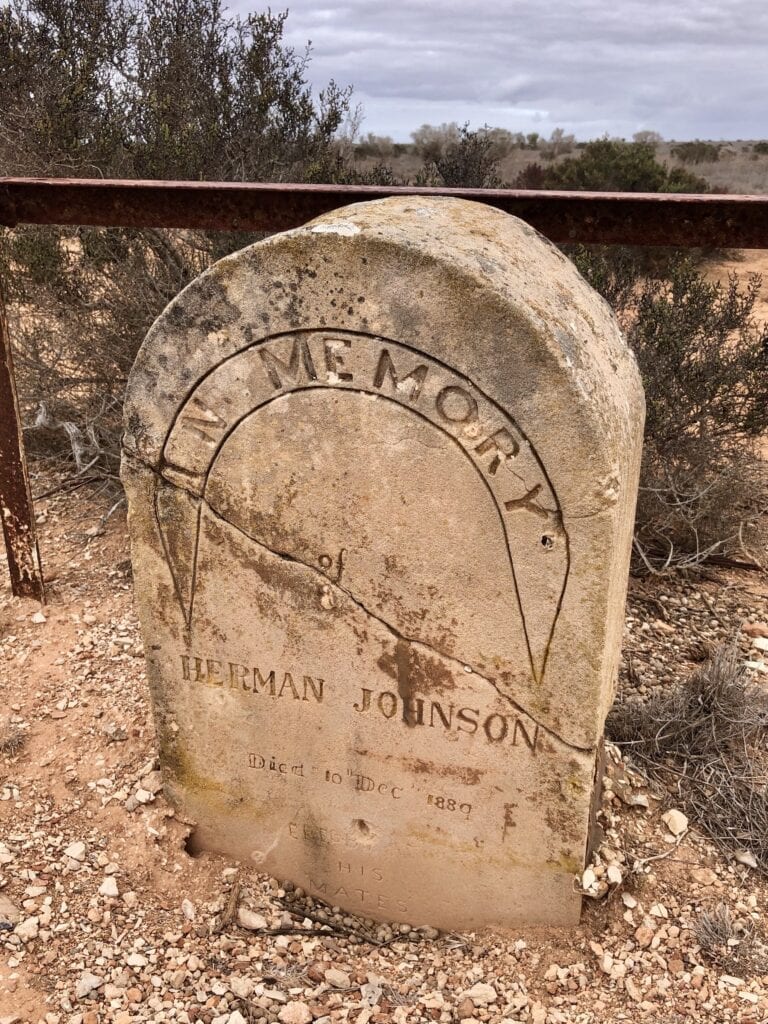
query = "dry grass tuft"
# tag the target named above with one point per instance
(730, 943)
(11, 740)
(705, 741)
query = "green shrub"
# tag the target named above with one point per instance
(136, 88)
(696, 152)
(469, 161)
(610, 165)
(704, 364)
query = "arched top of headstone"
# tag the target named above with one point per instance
(463, 282)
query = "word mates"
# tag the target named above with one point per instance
(331, 893)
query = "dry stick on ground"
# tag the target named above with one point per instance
(229, 913)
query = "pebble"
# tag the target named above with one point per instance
(746, 858)
(28, 929)
(675, 821)
(248, 919)
(75, 851)
(87, 983)
(109, 887)
(337, 978)
(704, 876)
(295, 1012)
(481, 994)
(242, 987)
(588, 879)
(465, 1009)
(9, 911)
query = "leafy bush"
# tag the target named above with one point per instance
(609, 165)
(761, 148)
(469, 161)
(431, 141)
(696, 152)
(135, 88)
(704, 364)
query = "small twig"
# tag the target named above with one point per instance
(229, 913)
(68, 485)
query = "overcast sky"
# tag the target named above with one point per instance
(688, 68)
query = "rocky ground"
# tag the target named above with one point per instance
(104, 916)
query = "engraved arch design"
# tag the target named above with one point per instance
(180, 493)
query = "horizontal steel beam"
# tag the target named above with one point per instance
(629, 218)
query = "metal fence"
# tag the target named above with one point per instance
(589, 217)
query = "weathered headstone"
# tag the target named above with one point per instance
(381, 474)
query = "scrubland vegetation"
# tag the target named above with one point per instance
(143, 88)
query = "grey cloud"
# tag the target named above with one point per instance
(688, 69)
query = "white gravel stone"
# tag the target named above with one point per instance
(109, 887)
(746, 858)
(87, 983)
(75, 851)
(675, 821)
(241, 987)
(295, 1012)
(481, 994)
(337, 978)
(28, 929)
(248, 919)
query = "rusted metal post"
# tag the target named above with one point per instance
(16, 510)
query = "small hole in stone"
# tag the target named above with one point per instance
(362, 826)
(547, 541)
(192, 845)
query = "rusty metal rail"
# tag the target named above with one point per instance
(589, 217)
(629, 218)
